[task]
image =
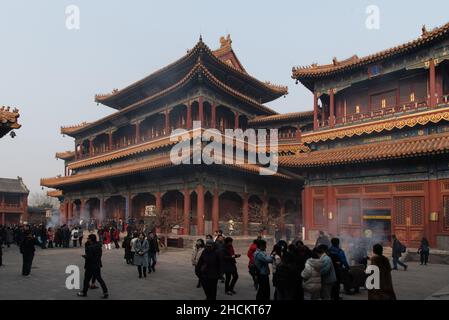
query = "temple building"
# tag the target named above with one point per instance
(8, 121)
(370, 159)
(13, 201)
(378, 163)
(120, 165)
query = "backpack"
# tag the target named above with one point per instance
(403, 248)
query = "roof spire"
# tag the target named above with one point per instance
(201, 37)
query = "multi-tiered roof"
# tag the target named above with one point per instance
(220, 69)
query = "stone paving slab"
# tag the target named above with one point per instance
(174, 278)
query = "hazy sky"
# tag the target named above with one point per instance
(52, 74)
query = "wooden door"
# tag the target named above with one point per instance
(408, 220)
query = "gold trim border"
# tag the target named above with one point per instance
(379, 126)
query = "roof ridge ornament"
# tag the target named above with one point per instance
(225, 42)
(424, 30)
(334, 61)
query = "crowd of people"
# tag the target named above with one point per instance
(297, 271)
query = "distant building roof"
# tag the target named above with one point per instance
(13, 185)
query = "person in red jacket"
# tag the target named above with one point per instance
(251, 266)
(107, 239)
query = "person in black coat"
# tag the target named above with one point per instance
(424, 251)
(93, 265)
(397, 249)
(209, 269)
(285, 279)
(27, 250)
(153, 251)
(230, 267)
(126, 244)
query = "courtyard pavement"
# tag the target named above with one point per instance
(174, 278)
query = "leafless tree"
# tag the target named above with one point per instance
(41, 200)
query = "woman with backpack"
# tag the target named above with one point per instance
(397, 250)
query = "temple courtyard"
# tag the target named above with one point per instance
(174, 278)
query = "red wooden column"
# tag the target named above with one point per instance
(138, 140)
(308, 210)
(331, 210)
(298, 133)
(110, 140)
(91, 147)
(70, 210)
(282, 218)
(236, 120)
(189, 115)
(434, 195)
(213, 123)
(215, 210)
(201, 109)
(315, 111)
(265, 210)
(167, 122)
(331, 108)
(159, 201)
(63, 212)
(186, 217)
(82, 209)
(200, 210)
(128, 206)
(432, 84)
(102, 215)
(245, 214)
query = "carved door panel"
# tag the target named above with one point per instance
(319, 213)
(408, 220)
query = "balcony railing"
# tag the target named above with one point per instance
(10, 205)
(384, 112)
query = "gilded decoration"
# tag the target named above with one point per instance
(379, 126)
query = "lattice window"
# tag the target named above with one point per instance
(348, 190)
(319, 215)
(446, 212)
(377, 203)
(410, 187)
(349, 211)
(446, 186)
(417, 204)
(319, 191)
(377, 189)
(399, 211)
